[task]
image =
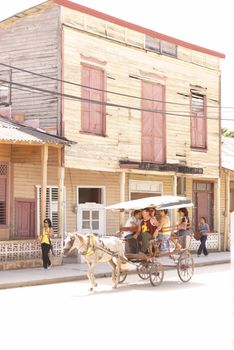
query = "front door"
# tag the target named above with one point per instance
(24, 218)
(153, 123)
(91, 210)
(91, 219)
(203, 198)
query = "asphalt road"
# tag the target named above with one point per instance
(175, 315)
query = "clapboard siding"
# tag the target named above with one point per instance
(32, 154)
(123, 126)
(33, 43)
(5, 152)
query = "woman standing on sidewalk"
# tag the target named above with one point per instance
(204, 229)
(45, 240)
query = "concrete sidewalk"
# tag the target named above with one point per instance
(75, 272)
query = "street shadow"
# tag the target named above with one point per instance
(143, 286)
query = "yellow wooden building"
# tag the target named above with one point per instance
(142, 108)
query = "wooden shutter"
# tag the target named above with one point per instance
(93, 114)
(153, 124)
(3, 193)
(198, 122)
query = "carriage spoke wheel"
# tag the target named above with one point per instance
(122, 276)
(185, 267)
(156, 273)
(143, 270)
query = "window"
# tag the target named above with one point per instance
(198, 121)
(168, 49)
(160, 46)
(152, 43)
(3, 193)
(90, 195)
(181, 186)
(5, 88)
(93, 114)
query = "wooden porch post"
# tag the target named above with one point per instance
(122, 194)
(227, 209)
(218, 214)
(60, 193)
(174, 212)
(44, 160)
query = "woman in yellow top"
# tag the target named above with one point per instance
(45, 240)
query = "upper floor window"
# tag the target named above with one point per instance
(3, 193)
(198, 121)
(5, 87)
(160, 46)
(93, 108)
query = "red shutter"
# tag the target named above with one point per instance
(153, 124)
(93, 119)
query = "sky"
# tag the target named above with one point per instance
(206, 23)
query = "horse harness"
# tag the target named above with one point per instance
(91, 248)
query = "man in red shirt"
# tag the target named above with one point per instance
(146, 230)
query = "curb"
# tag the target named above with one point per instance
(54, 280)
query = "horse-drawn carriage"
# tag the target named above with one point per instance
(111, 249)
(152, 267)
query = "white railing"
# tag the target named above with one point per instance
(212, 242)
(25, 249)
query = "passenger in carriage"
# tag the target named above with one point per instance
(146, 230)
(131, 243)
(162, 233)
(182, 228)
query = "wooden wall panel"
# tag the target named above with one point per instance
(5, 152)
(123, 126)
(32, 43)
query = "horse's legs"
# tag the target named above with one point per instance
(113, 266)
(90, 275)
(117, 273)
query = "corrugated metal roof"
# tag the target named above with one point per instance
(14, 132)
(228, 153)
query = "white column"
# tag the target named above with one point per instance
(174, 212)
(122, 194)
(218, 214)
(60, 199)
(44, 161)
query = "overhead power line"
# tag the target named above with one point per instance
(82, 99)
(102, 90)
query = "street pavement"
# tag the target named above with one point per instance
(77, 271)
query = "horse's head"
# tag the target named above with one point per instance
(69, 243)
(83, 243)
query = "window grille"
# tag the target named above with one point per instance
(51, 207)
(3, 193)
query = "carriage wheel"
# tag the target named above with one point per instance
(156, 274)
(122, 276)
(185, 267)
(143, 270)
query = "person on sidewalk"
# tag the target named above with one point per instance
(45, 240)
(204, 229)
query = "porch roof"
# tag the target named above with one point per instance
(228, 153)
(11, 131)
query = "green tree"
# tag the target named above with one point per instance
(226, 132)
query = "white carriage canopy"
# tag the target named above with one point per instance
(158, 202)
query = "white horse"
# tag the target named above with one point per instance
(95, 250)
